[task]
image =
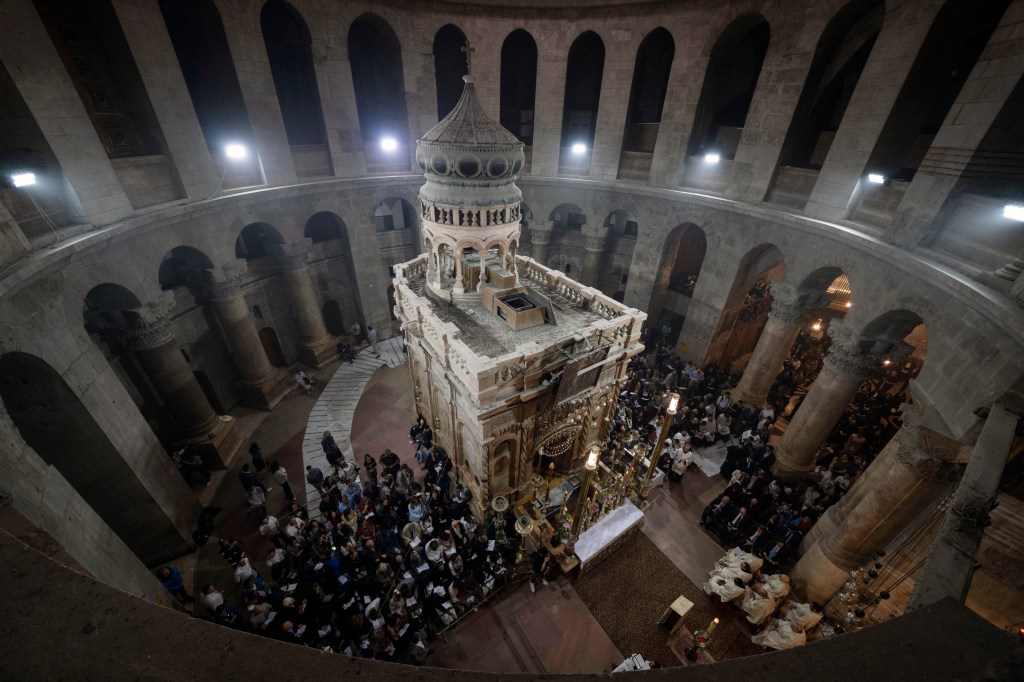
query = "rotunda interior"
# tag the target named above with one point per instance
(526, 329)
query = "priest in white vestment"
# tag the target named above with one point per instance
(774, 587)
(780, 634)
(804, 615)
(727, 590)
(736, 556)
(757, 607)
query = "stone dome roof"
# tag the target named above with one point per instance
(468, 147)
(469, 125)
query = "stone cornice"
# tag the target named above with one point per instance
(787, 306)
(225, 283)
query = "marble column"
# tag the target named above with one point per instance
(317, 345)
(848, 364)
(262, 385)
(922, 467)
(594, 243)
(784, 321)
(540, 237)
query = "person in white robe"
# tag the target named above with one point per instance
(727, 590)
(730, 572)
(736, 556)
(758, 608)
(805, 615)
(773, 587)
(780, 634)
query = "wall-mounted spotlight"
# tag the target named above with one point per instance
(712, 157)
(579, 149)
(1014, 212)
(388, 144)
(236, 151)
(23, 179)
(876, 178)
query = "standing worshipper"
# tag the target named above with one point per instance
(370, 466)
(259, 462)
(281, 478)
(170, 578)
(371, 336)
(357, 333)
(315, 478)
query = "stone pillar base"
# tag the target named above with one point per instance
(319, 353)
(816, 578)
(741, 397)
(219, 451)
(785, 468)
(267, 394)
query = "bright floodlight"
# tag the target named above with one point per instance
(579, 149)
(235, 151)
(876, 178)
(1014, 212)
(388, 144)
(712, 157)
(23, 179)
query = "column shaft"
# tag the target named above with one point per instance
(917, 477)
(243, 339)
(177, 386)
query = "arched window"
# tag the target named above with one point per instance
(449, 67)
(291, 61)
(376, 59)
(729, 84)
(519, 84)
(647, 94)
(583, 75)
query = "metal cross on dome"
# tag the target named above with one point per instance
(468, 49)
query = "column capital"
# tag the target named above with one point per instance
(787, 304)
(857, 356)
(293, 256)
(148, 327)
(224, 283)
(930, 454)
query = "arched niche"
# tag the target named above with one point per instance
(568, 217)
(289, 48)
(182, 266)
(449, 67)
(729, 85)
(519, 84)
(682, 258)
(647, 93)
(255, 241)
(375, 56)
(745, 311)
(583, 77)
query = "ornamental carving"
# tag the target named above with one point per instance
(225, 283)
(972, 518)
(149, 326)
(787, 305)
(918, 459)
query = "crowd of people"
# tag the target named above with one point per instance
(390, 562)
(737, 579)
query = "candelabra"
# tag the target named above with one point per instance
(524, 526)
(666, 421)
(499, 504)
(588, 471)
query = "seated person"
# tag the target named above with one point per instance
(780, 634)
(773, 587)
(736, 556)
(743, 573)
(757, 607)
(806, 616)
(727, 590)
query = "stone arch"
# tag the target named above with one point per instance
(519, 84)
(746, 307)
(568, 217)
(55, 422)
(622, 223)
(255, 241)
(729, 82)
(647, 93)
(181, 266)
(394, 213)
(839, 58)
(449, 67)
(324, 226)
(375, 56)
(289, 50)
(683, 253)
(583, 79)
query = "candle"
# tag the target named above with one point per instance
(711, 628)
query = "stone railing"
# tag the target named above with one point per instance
(469, 216)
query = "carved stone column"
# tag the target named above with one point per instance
(262, 385)
(594, 245)
(540, 237)
(850, 360)
(920, 468)
(317, 346)
(784, 322)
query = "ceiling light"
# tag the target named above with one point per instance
(1014, 212)
(712, 157)
(579, 149)
(876, 178)
(388, 144)
(235, 151)
(23, 179)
